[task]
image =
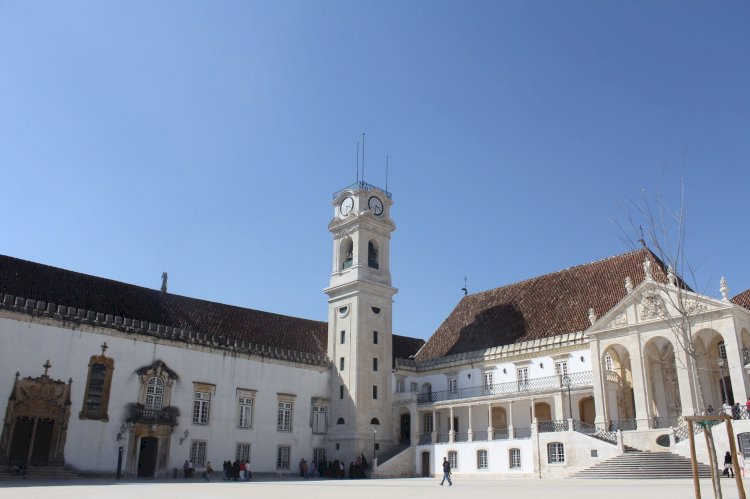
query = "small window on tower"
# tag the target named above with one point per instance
(374, 337)
(343, 337)
(374, 363)
(372, 255)
(374, 392)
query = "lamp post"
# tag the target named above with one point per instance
(720, 361)
(374, 445)
(566, 381)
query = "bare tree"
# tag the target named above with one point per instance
(651, 222)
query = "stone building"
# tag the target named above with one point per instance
(538, 378)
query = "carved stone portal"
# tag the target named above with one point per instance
(36, 422)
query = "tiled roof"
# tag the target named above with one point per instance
(544, 306)
(405, 347)
(64, 287)
(742, 299)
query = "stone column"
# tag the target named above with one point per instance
(470, 430)
(640, 394)
(599, 376)
(434, 425)
(490, 430)
(451, 432)
(734, 363)
(685, 380)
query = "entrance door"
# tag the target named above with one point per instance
(21, 441)
(42, 441)
(730, 394)
(147, 456)
(425, 464)
(406, 429)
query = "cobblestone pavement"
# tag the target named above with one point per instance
(415, 488)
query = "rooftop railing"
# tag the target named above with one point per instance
(363, 186)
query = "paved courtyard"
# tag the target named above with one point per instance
(416, 488)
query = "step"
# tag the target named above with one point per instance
(639, 464)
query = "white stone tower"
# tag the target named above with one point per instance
(360, 298)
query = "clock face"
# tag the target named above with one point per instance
(376, 205)
(346, 206)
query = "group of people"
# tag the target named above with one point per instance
(335, 469)
(239, 470)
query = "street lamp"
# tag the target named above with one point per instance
(374, 445)
(720, 361)
(567, 381)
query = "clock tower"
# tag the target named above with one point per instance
(360, 299)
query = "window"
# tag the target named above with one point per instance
(375, 421)
(154, 394)
(319, 419)
(245, 419)
(453, 459)
(722, 350)
(555, 452)
(482, 459)
(341, 364)
(282, 458)
(428, 427)
(242, 452)
(343, 337)
(347, 253)
(96, 396)
(608, 364)
(284, 418)
(340, 421)
(201, 407)
(522, 375)
(374, 337)
(453, 385)
(743, 439)
(372, 255)
(374, 392)
(319, 455)
(198, 453)
(488, 381)
(374, 363)
(341, 392)
(413, 387)
(514, 459)
(561, 368)
(399, 386)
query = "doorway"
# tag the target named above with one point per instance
(587, 410)
(42, 441)
(147, 456)
(31, 434)
(21, 440)
(426, 464)
(405, 429)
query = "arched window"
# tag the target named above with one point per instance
(98, 384)
(453, 459)
(514, 459)
(608, 364)
(347, 253)
(482, 463)
(372, 255)
(722, 350)
(555, 452)
(374, 421)
(154, 394)
(340, 421)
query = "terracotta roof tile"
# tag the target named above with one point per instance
(742, 299)
(64, 287)
(540, 307)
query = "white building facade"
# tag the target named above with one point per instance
(536, 379)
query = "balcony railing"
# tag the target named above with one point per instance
(521, 432)
(500, 434)
(443, 438)
(508, 388)
(551, 426)
(461, 436)
(165, 416)
(425, 439)
(623, 425)
(480, 435)
(665, 422)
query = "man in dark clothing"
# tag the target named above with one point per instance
(446, 472)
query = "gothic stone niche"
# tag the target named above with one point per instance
(36, 422)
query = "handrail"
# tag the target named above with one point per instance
(595, 432)
(508, 388)
(552, 426)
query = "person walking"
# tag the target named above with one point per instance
(446, 472)
(208, 472)
(728, 469)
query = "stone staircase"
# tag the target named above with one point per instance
(383, 458)
(39, 473)
(639, 464)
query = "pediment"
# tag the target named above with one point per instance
(653, 302)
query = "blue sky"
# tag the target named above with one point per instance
(205, 139)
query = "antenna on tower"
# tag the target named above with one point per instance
(465, 289)
(357, 162)
(386, 173)
(363, 156)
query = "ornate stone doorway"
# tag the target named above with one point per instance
(36, 421)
